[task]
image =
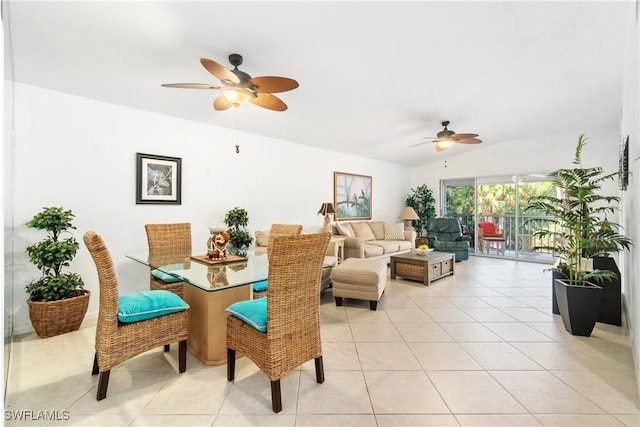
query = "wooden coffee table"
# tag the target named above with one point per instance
(426, 268)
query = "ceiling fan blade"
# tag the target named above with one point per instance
(420, 143)
(465, 135)
(469, 141)
(191, 85)
(268, 101)
(271, 84)
(225, 75)
(221, 103)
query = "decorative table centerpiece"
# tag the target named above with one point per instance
(217, 243)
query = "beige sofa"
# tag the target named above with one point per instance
(374, 239)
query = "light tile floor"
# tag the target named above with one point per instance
(480, 348)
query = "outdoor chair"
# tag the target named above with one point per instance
(282, 331)
(131, 324)
(488, 235)
(445, 235)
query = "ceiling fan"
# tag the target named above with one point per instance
(239, 87)
(446, 138)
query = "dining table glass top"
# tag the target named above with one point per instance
(209, 275)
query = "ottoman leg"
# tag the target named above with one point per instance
(338, 301)
(373, 305)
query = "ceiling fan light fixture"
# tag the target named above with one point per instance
(236, 95)
(443, 144)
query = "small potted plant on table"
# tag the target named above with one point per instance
(57, 300)
(237, 219)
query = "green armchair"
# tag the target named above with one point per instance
(445, 235)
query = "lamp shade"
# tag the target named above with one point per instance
(408, 214)
(326, 208)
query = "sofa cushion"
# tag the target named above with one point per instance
(344, 228)
(362, 231)
(393, 231)
(388, 246)
(405, 245)
(262, 238)
(377, 227)
(372, 250)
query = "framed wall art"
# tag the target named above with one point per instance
(352, 195)
(158, 179)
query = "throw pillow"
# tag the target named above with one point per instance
(394, 231)
(362, 231)
(344, 229)
(253, 312)
(145, 305)
(262, 238)
(377, 228)
(165, 277)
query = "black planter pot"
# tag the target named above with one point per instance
(579, 306)
(555, 275)
(612, 303)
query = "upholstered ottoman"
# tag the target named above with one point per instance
(357, 278)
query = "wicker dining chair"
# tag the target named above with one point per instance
(276, 230)
(168, 240)
(289, 315)
(117, 342)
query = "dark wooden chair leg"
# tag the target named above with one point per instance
(103, 383)
(167, 347)
(95, 369)
(338, 301)
(276, 397)
(182, 356)
(319, 370)
(231, 364)
(373, 305)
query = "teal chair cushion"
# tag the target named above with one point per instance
(252, 312)
(260, 286)
(165, 277)
(146, 305)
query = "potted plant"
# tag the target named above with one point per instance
(424, 204)
(57, 300)
(237, 219)
(577, 216)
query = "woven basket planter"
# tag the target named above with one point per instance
(58, 317)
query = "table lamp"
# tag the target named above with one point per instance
(327, 209)
(408, 215)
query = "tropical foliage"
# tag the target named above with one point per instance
(579, 216)
(52, 254)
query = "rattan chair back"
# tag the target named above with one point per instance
(168, 244)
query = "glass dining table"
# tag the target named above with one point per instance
(209, 288)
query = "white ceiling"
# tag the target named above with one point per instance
(375, 77)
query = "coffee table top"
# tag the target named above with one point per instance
(430, 256)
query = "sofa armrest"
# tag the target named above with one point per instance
(411, 236)
(463, 239)
(353, 247)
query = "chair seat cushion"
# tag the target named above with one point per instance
(260, 286)
(145, 305)
(252, 312)
(165, 277)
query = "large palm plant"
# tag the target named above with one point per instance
(577, 215)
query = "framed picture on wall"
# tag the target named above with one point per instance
(352, 195)
(158, 179)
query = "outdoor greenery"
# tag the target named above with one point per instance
(578, 218)
(237, 219)
(422, 201)
(52, 254)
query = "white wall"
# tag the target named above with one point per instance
(80, 154)
(629, 125)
